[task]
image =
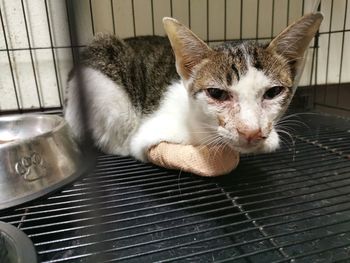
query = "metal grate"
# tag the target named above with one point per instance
(293, 204)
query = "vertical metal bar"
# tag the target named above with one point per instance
(273, 18)
(31, 55)
(342, 51)
(113, 20)
(329, 44)
(80, 81)
(92, 18)
(303, 8)
(288, 10)
(171, 8)
(152, 11)
(189, 14)
(241, 21)
(133, 17)
(257, 21)
(53, 54)
(312, 64)
(316, 46)
(68, 5)
(207, 21)
(10, 62)
(225, 20)
(87, 142)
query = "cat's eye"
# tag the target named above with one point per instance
(273, 92)
(217, 94)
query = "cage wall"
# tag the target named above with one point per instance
(37, 47)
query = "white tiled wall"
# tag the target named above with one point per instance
(213, 20)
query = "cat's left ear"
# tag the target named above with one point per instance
(295, 39)
(189, 49)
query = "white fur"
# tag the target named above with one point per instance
(169, 123)
(247, 111)
(250, 89)
(116, 127)
(253, 113)
(112, 119)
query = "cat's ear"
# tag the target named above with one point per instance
(295, 39)
(189, 49)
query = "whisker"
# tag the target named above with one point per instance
(298, 114)
(287, 133)
(288, 120)
(202, 132)
(208, 142)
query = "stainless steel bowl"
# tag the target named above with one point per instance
(38, 154)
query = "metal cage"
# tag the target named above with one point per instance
(38, 40)
(288, 206)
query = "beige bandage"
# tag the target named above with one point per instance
(201, 160)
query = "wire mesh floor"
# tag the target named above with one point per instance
(289, 206)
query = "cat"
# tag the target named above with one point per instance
(144, 90)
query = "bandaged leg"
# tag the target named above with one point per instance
(201, 160)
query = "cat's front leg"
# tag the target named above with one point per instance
(169, 123)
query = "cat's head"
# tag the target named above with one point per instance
(239, 90)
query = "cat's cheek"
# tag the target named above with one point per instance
(272, 142)
(204, 110)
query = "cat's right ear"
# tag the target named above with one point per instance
(295, 39)
(189, 49)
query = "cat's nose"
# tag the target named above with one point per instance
(251, 135)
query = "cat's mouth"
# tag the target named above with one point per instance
(267, 144)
